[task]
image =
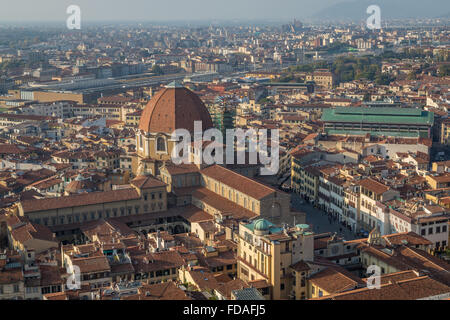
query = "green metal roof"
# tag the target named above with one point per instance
(378, 115)
(412, 134)
(261, 225)
(252, 226)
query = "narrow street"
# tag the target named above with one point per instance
(319, 220)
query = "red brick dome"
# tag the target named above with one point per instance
(174, 107)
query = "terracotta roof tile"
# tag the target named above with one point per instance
(147, 182)
(334, 279)
(174, 108)
(79, 200)
(374, 186)
(253, 188)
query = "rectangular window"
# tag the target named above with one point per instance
(45, 290)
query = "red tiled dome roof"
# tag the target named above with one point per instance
(174, 107)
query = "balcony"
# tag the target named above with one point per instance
(252, 267)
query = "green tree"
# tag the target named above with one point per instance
(411, 75)
(383, 79)
(444, 70)
(265, 101)
(157, 70)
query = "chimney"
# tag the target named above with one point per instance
(158, 241)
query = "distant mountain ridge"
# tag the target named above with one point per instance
(390, 9)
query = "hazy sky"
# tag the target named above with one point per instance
(159, 10)
(166, 10)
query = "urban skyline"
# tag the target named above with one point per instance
(273, 156)
(231, 10)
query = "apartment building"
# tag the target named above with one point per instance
(444, 136)
(322, 78)
(372, 193)
(407, 253)
(111, 111)
(10, 119)
(12, 284)
(58, 109)
(351, 206)
(275, 255)
(429, 221)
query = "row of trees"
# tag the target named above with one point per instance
(11, 64)
(345, 69)
(354, 68)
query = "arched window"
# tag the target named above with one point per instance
(160, 144)
(276, 210)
